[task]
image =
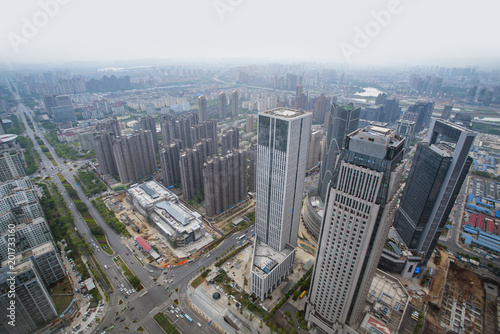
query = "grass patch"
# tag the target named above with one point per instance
(62, 302)
(140, 329)
(134, 281)
(197, 281)
(120, 302)
(165, 324)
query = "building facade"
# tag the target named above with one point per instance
(169, 161)
(103, 146)
(439, 168)
(342, 121)
(225, 181)
(11, 166)
(234, 103)
(359, 207)
(135, 156)
(283, 140)
(202, 108)
(222, 105)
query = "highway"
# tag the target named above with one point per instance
(137, 307)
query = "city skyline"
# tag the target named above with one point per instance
(373, 33)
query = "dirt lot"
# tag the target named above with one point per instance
(224, 224)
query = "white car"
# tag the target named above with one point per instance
(199, 325)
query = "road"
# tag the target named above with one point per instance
(138, 307)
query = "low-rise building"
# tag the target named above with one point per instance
(171, 218)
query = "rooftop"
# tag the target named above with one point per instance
(37, 251)
(150, 193)
(266, 258)
(284, 113)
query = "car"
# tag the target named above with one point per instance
(126, 253)
(132, 262)
(199, 325)
(177, 315)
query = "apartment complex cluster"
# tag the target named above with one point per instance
(29, 258)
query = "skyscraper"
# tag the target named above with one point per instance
(283, 139)
(33, 305)
(225, 181)
(112, 126)
(148, 123)
(11, 166)
(135, 156)
(169, 161)
(447, 112)
(423, 111)
(343, 120)
(321, 107)
(229, 140)
(234, 103)
(314, 149)
(202, 108)
(439, 168)
(250, 123)
(222, 105)
(191, 162)
(361, 201)
(103, 146)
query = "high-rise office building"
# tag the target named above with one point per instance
(148, 123)
(229, 140)
(283, 140)
(135, 156)
(343, 120)
(222, 105)
(314, 148)
(447, 112)
(252, 170)
(234, 103)
(11, 166)
(169, 161)
(406, 129)
(202, 108)
(360, 203)
(103, 146)
(392, 111)
(423, 112)
(225, 181)
(439, 168)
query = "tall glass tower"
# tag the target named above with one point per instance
(439, 168)
(342, 121)
(282, 150)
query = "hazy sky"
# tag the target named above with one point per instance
(444, 32)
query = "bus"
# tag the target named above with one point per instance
(188, 317)
(303, 293)
(239, 238)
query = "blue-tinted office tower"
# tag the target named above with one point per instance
(438, 171)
